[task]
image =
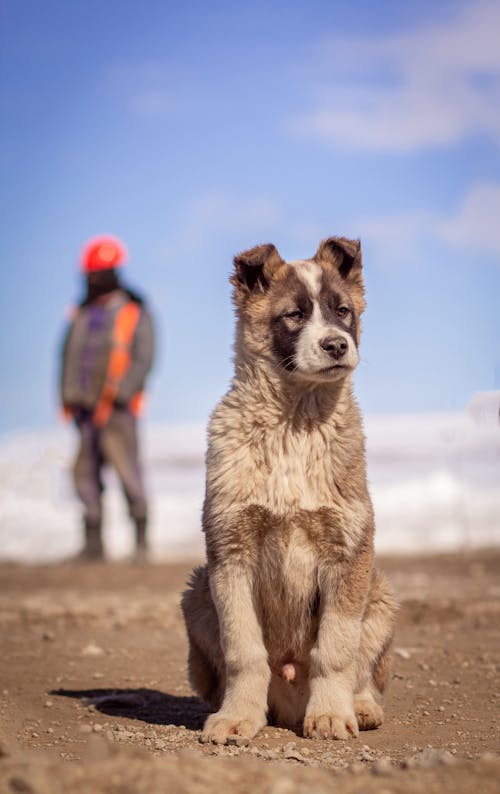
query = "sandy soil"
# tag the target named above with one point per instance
(94, 695)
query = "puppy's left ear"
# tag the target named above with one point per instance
(344, 255)
(254, 269)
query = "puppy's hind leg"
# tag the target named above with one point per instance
(374, 659)
(205, 660)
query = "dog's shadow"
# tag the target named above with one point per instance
(147, 705)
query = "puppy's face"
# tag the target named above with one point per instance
(303, 316)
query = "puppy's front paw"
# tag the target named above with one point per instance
(330, 726)
(220, 725)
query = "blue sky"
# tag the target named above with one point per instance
(196, 130)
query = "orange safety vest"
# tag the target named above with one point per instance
(119, 362)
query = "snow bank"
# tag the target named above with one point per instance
(435, 482)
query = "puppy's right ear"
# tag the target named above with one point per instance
(254, 269)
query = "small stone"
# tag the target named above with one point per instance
(426, 713)
(356, 768)
(440, 708)
(48, 635)
(383, 767)
(97, 728)
(402, 653)
(431, 757)
(282, 785)
(292, 754)
(98, 675)
(85, 728)
(92, 650)
(19, 785)
(432, 682)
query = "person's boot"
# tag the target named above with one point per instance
(141, 543)
(92, 550)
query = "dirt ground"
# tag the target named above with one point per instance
(94, 695)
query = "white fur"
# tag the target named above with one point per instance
(310, 274)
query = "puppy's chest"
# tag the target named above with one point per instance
(284, 472)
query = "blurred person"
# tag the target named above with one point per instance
(107, 354)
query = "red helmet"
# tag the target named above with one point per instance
(103, 253)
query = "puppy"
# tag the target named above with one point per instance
(289, 621)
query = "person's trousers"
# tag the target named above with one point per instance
(114, 444)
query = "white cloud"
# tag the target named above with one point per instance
(433, 87)
(216, 213)
(241, 221)
(395, 237)
(151, 103)
(474, 226)
(398, 239)
(151, 89)
(477, 223)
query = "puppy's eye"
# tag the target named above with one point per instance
(343, 312)
(295, 314)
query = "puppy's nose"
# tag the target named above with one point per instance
(335, 346)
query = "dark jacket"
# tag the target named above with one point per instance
(87, 347)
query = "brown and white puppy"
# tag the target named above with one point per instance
(289, 620)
